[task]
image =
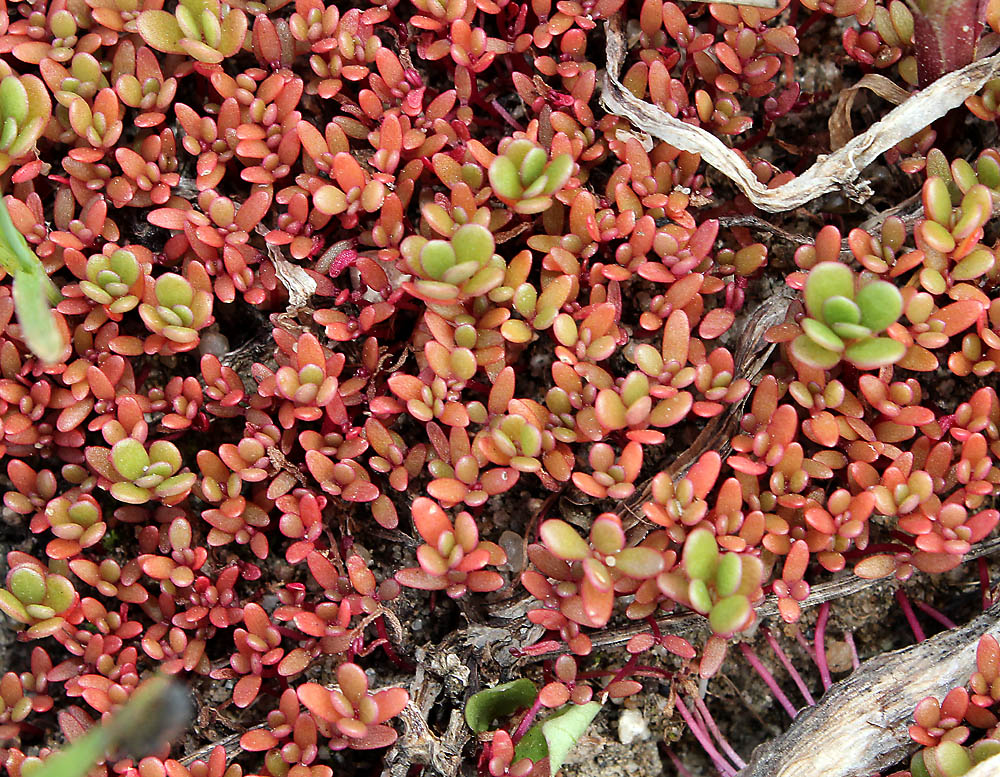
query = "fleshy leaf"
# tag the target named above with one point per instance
(492, 704)
(827, 279)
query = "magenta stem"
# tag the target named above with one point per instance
(789, 667)
(526, 721)
(849, 639)
(681, 771)
(911, 617)
(804, 644)
(505, 116)
(768, 679)
(937, 615)
(824, 667)
(722, 766)
(714, 730)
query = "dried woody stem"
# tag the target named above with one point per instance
(860, 725)
(839, 170)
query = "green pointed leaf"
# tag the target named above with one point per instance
(563, 731)
(532, 745)
(493, 704)
(39, 329)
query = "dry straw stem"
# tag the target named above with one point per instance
(860, 725)
(839, 170)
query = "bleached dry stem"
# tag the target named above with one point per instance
(840, 170)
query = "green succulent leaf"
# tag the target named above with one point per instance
(492, 704)
(827, 279)
(436, 258)
(161, 31)
(874, 352)
(837, 310)
(130, 458)
(473, 243)
(700, 555)
(504, 178)
(532, 165)
(881, 305)
(812, 353)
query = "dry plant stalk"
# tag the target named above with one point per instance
(860, 725)
(839, 170)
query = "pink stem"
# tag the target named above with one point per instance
(911, 617)
(804, 644)
(526, 721)
(722, 766)
(681, 771)
(824, 667)
(714, 730)
(504, 115)
(849, 639)
(937, 615)
(768, 679)
(789, 667)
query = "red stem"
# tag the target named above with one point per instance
(824, 667)
(768, 679)
(937, 615)
(911, 616)
(849, 639)
(526, 721)
(789, 667)
(714, 729)
(721, 764)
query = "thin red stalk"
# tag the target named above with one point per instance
(626, 670)
(789, 667)
(505, 116)
(681, 771)
(804, 644)
(526, 721)
(937, 615)
(768, 679)
(911, 617)
(714, 730)
(849, 639)
(721, 764)
(824, 667)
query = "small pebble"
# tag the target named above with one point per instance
(632, 726)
